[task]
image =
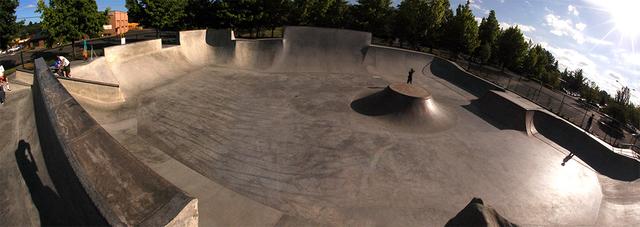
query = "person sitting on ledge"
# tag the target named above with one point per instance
(65, 66)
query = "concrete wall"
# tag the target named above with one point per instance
(124, 52)
(394, 64)
(97, 92)
(311, 49)
(598, 155)
(507, 113)
(457, 76)
(104, 182)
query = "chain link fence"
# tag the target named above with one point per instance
(568, 107)
(24, 59)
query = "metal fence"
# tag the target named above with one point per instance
(23, 59)
(563, 105)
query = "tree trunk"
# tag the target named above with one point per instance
(73, 49)
(157, 33)
(272, 29)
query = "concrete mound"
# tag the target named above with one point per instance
(407, 107)
(476, 213)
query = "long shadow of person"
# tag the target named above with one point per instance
(46, 200)
(566, 159)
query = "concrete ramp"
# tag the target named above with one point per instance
(102, 182)
(408, 107)
(505, 109)
(394, 64)
(513, 112)
(309, 49)
(595, 153)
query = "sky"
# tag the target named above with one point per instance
(595, 35)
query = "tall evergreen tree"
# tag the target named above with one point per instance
(70, 20)
(438, 12)
(489, 29)
(511, 48)
(462, 32)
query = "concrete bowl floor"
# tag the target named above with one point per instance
(291, 141)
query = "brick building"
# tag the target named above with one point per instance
(118, 23)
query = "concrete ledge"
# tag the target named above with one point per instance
(96, 91)
(501, 108)
(107, 182)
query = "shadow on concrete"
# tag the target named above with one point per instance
(566, 159)
(381, 103)
(73, 200)
(475, 108)
(47, 202)
(470, 83)
(598, 156)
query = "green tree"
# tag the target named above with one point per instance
(463, 31)
(276, 13)
(488, 34)
(198, 14)
(489, 29)
(410, 21)
(439, 35)
(163, 14)
(436, 16)
(511, 48)
(322, 13)
(484, 53)
(70, 20)
(134, 10)
(8, 26)
(374, 16)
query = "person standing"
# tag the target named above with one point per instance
(410, 77)
(2, 94)
(589, 122)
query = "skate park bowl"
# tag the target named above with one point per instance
(315, 128)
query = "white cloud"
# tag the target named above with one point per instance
(600, 57)
(479, 8)
(603, 73)
(565, 27)
(630, 58)
(573, 10)
(30, 6)
(524, 28)
(478, 19)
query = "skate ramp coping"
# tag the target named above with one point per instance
(121, 188)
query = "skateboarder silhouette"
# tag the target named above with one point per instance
(410, 77)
